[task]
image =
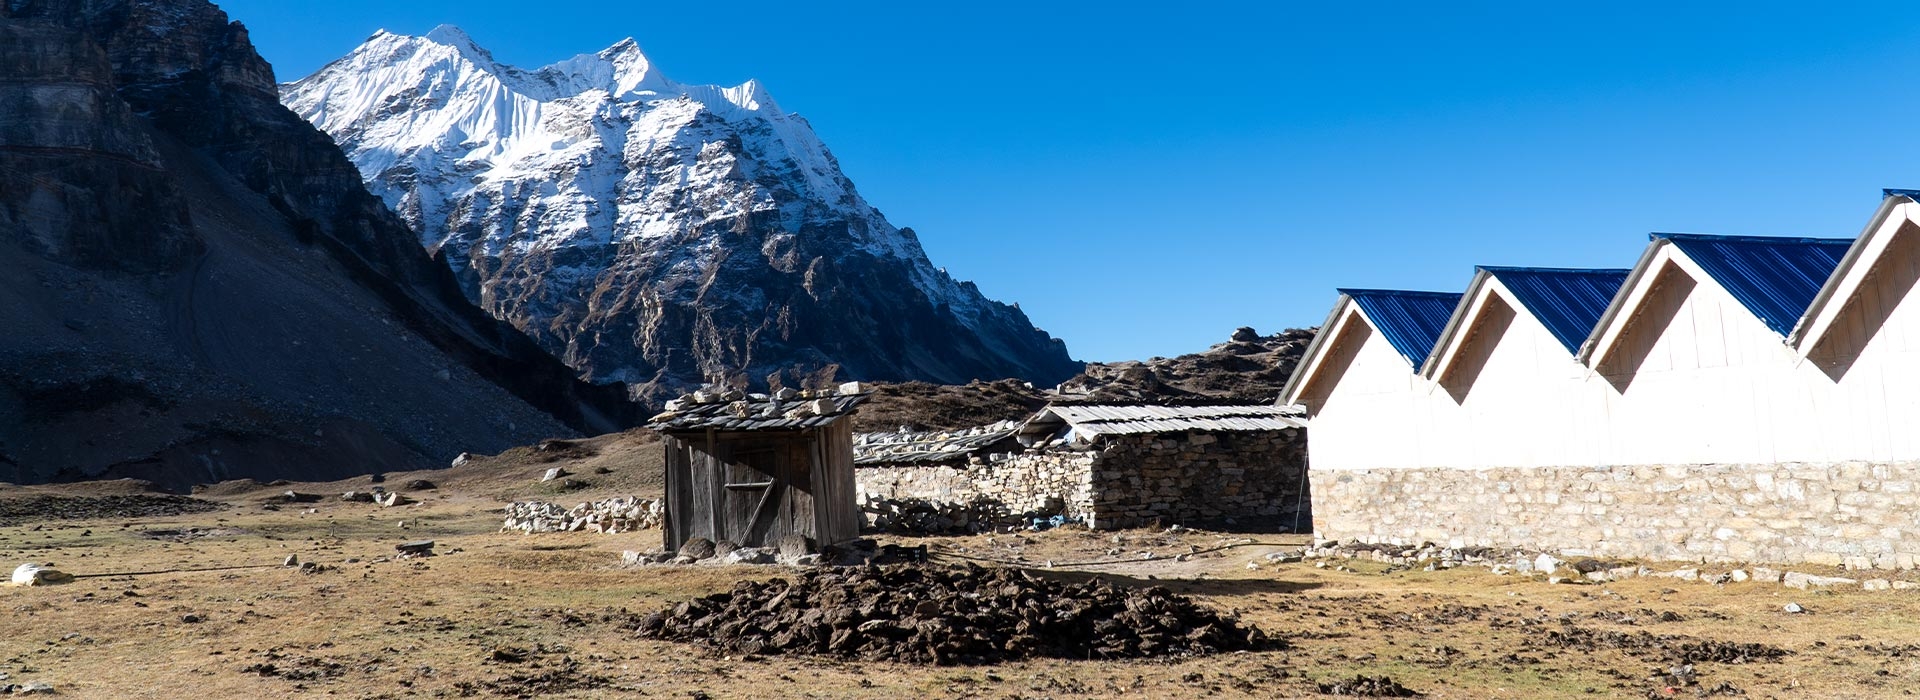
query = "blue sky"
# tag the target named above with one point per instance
(1142, 178)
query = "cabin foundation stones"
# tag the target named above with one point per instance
(1105, 466)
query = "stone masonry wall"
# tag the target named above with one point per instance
(1236, 478)
(1854, 514)
(1031, 482)
(1253, 478)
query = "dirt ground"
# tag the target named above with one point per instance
(198, 604)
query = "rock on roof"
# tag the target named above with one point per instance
(785, 409)
(930, 447)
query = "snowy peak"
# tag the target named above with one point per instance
(621, 70)
(653, 231)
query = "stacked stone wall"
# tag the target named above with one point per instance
(1245, 478)
(1034, 482)
(1855, 514)
(1254, 478)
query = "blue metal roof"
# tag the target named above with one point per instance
(1898, 192)
(1568, 302)
(1775, 278)
(1411, 321)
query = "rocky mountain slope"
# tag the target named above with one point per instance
(653, 232)
(1249, 368)
(195, 285)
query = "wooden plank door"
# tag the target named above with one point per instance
(756, 483)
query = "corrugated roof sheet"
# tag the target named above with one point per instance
(1411, 321)
(1775, 278)
(1126, 420)
(1567, 301)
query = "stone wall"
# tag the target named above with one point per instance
(1853, 514)
(1225, 478)
(1239, 479)
(1033, 482)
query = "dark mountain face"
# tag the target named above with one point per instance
(194, 284)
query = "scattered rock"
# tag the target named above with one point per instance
(750, 555)
(421, 485)
(192, 618)
(554, 473)
(292, 560)
(1793, 608)
(1366, 687)
(1795, 579)
(419, 548)
(357, 496)
(697, 547)
(33, 688)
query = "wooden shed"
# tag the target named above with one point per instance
(752, 469)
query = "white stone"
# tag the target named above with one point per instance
(1876, 584)
(38, 575)
(1546, 562)
(1793, 608)
(1763, 574)
(553, 473)
(1738, 575)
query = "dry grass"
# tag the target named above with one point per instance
(502, 615)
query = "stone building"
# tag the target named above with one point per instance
(1113, 466)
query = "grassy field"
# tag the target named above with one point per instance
(509, 615)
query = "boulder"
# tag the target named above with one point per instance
(39, 575)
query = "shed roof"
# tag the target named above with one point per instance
(733, 410)
(1775, 278)
(1110, 419)
(1567, 301)
(1410, 321)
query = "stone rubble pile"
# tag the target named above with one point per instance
(949, 615)
(624, 514)
(1507, 561)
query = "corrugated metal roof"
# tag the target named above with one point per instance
(1411, 321)
(1775, 278)
(1567, 301)
(1125, 420)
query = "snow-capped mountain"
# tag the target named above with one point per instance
(653, 232)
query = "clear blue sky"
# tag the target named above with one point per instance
(1143, 178)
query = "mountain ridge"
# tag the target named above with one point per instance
(653, 232)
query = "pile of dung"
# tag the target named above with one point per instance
(949, 615)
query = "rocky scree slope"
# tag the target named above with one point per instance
(1249, 368)
(652, 232)
(195, 285)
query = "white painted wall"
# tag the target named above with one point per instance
(1712, 385)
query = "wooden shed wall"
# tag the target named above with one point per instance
(709, 492)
